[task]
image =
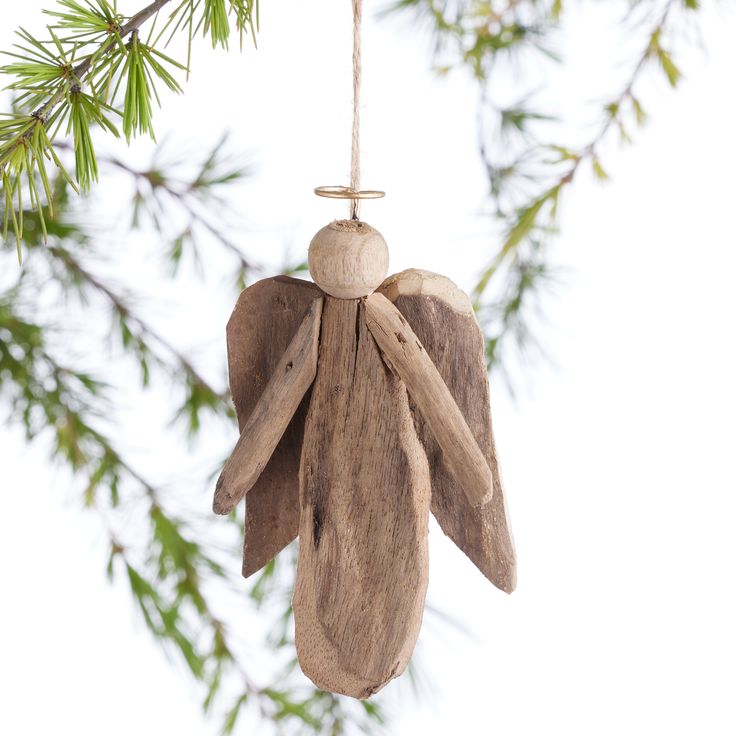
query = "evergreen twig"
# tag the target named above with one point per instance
(99, 49)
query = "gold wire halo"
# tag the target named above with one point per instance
(348, 193)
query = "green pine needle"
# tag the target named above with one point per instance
(86, 21)
(215, 22)
(85, 110)
(137, 111)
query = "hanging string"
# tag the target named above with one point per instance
(357, 79)
(353, 192)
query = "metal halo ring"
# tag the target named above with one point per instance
(348, 193)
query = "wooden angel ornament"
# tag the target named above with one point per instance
(363, 404)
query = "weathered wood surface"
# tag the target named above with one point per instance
(265, 320)
(365, 495)
(272, 413)
(442, 317)
(433, 399)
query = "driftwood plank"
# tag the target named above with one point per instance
(271, 415)
(442, 317)
(362, 569)
(428, 391)
(262, 325)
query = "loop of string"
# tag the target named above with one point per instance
(357, 79)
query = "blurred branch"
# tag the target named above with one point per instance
(140, 338)
(529, 225)
(528, 176)
(188, 193)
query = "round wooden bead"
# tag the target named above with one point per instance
(348, 259)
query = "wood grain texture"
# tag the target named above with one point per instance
(272, 413)
(442, 317)
(365, 494)
(348, 259)
(433, 399)
(264, 321)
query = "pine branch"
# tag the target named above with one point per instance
(653, 49)
(193, 194)
(181, 195)
(81, 70)
(519, 267)
(527, 176)
(50, 82)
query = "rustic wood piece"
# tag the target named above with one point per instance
(264, 321)
(348, 259)
(365, 495)
(428, 391)
(272, 413)
(442, 317)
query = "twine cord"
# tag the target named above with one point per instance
(357, 79)
(353, 192)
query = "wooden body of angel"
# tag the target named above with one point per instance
(365, 494)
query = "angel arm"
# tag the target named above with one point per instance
(403, 350)
(272, 413)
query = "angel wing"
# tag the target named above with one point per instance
(442, 317)
(272, 358)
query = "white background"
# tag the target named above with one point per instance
(618, 453)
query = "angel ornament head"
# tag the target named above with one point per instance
(363, 404)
